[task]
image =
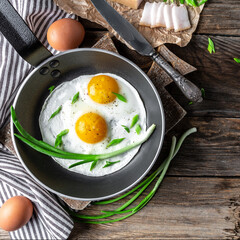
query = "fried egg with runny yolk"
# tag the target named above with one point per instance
(93, 120)
(101, 88)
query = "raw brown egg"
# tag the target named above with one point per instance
(65, 34)
(15, 213)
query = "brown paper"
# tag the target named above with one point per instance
(156, 36)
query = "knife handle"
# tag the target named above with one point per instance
(190, 90)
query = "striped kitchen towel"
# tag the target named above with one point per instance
(49, 220)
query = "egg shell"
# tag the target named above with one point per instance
(15, 213)
(65, 34)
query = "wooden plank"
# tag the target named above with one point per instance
(220, 17)
(213, 151)
(183, 208)
(217, 73)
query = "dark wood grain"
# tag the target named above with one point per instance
(183, 208)
(220, 17)
(213, 151)
(217, 73)
(200, 197)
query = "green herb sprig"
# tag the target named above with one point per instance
(58, 141)
(237, 60)
(75, 98)
(134, 120)
(51, 88)
(56, 112)
(120, 97)
(211, 47)
(115, 142)
(126, 128)
(49, 150)
(138, 129)
(160, 173)
(108, 163)
(192, 3)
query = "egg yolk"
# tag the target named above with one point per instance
(101, 88)
(91, 128)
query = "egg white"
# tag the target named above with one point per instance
(116, 113)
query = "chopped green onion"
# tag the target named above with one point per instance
(120, 97)
(56, 112)
(237, 60)
(49, 150)
(211, 47)
(75, 97)
(93, 165)
(115, 142)
(202, 2)
(160, 172)
(108, 163)
(203, 92)
(58, 141)
(126, 128)
(138, 129)
(51, 88)
(190, 103)
(134, 120)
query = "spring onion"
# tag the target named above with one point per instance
(138, 129)
(51, 88)
(115, 142)
(120, 97)
(75, 98)
(56, 112)
(237, 60)
(58, 141)
(108, 163)
(126, 128)
(134, 120)
(49, 150)
(211, 47)
(160, 172)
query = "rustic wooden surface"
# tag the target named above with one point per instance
(200, 197)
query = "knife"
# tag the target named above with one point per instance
(130, 34)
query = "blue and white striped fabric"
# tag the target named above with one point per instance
(49, 220)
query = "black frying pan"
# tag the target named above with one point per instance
(53, 70)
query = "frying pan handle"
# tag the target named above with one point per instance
(20, 36)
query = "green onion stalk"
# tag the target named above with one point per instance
(160, 173)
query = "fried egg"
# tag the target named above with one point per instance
(94, 119)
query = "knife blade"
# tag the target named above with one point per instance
(130, 34)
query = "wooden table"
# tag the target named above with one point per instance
(200, 197)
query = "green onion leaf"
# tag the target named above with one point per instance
(115, 142)
(211, 47)
(126, 128)
(134, 120)
(58, 141)
(203, 92)
(51, 88)
(202, 2)
(75, 97)
(237, 60)
(49, 150)
(190, 103)
(108, 163)
(120, 97)
(56, 112)
(93, 165)
(138, 129)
